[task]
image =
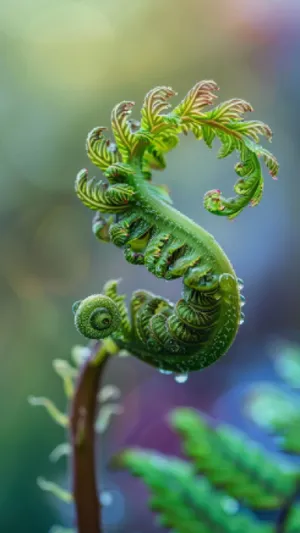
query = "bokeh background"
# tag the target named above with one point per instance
(64, 64)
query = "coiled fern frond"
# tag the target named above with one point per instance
(137, 215)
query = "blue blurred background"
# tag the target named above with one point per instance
(64, 66)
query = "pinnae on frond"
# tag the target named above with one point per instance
(158, 130)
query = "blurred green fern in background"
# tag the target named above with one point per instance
(227, 481)
(227, 472)
(276, 409)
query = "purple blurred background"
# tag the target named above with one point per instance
(64, 66)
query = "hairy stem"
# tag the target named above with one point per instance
(285, 511)
(82, 436)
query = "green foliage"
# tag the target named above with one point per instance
(101, 152)
(158, 132)
(237, 464)
(227, 473)
(226, 122)
(98, 196)
(276, 410)
(186, 504)
(293, 522)
(201, 327)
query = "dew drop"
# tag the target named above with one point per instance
(166, 372)
(240, 283)
(181, 378)
(242, 300)
(106, 498)
(242, 319)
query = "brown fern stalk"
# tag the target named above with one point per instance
(83, 412)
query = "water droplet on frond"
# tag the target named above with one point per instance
(240, 284)
(181, 378)
(242, 319)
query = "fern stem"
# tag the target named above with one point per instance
(285, 511)
(82, 436)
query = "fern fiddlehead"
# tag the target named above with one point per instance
(97, 316)
(137, 216)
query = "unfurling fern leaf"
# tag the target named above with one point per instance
(190, 108)
(124, 137)
(157, 128)
(156, 101)
(110, 290)
(185, 503)
(226, 122)
(201, 327)
(98, 196)
(101, 152)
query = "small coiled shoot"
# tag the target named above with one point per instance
(96, 317)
